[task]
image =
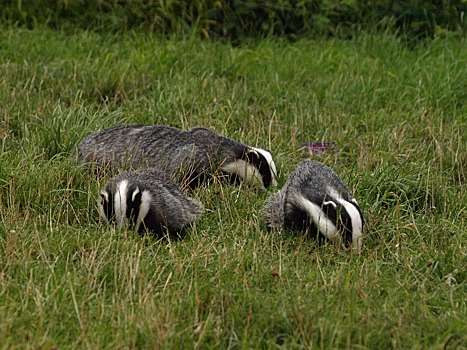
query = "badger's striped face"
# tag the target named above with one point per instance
(256, 168)
(266, 166)
(334, 215)
(318, 216)
(122, 202)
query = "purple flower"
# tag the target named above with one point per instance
(317, 147)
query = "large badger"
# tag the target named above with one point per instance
(188, 156)
(316, 200)
(147, 200)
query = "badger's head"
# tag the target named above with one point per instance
(332, 215)
(254, 167)
(122, 202)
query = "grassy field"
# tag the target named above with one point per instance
(397, 115)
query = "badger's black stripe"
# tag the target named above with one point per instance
(133, 205)
(330, 211)
(260, 163)
(360, 212)
(342, 220)
(108, 207)
(339, 216)
(344, 225)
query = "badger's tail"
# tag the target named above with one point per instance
(194, 209)
(273, 210)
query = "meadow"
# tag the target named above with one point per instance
(398, 116)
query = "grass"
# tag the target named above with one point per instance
(399, 118)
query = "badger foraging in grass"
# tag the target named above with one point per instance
(188, 156)
(316, 200)
(147, 200)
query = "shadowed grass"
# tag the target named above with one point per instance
(398, 117)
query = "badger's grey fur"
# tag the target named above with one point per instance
(188, 156)
(314, 198)
(147, 200)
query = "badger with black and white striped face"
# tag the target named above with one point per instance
(147, 200)
(316, 200)
(188, 156)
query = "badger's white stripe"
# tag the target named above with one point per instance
(272, 165)
(357, 224)
(143, 208)
(249, 174)
(325, 226)
(120, 202)
(100, 205)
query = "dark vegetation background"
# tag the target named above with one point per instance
(237, 20)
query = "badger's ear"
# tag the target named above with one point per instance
(104, 207)
(331, 209)
(136, 196)
(104, 196)
(252, 156)
(265, 170)
(332, 203)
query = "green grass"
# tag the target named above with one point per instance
(398, 115)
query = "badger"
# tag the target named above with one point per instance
(316, 200)
(190, 156)
(148, 200)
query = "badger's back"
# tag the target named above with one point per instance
(129, 146)
(188, 156)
